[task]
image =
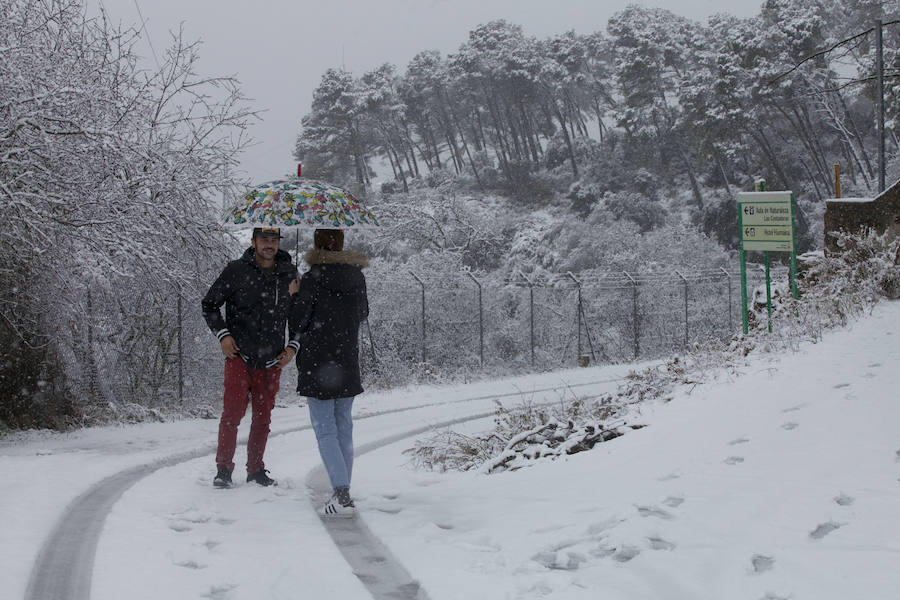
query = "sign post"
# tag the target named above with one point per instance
(766, 223)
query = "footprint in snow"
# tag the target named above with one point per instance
(653, 511)
(602, 551)
(407, 590)
(658, 543)
(180, 527)
(794, 408)
(211, 544)
(573, 560)
(219, 592)
(790, 425)
(190, 564)
(734, 460)
(559, 561)
(841, 385)
(874, 365)
(390, 496)
(844, 500)
(774, 596)
(741, 440)
(626, 553)
(762, 563)
(898, 456)
(196, 519)
(673, 501)
(669, 477)
(824, 529)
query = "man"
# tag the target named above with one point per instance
(254, 290)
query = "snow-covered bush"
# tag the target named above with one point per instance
(531, 431)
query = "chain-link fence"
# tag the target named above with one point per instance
(460, 321)
(162, 354)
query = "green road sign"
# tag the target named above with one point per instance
(766, 221)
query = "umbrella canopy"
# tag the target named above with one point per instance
(299, 202)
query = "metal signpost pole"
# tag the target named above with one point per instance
(743, 260)
(793, 275)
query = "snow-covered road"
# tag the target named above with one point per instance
(77, 562)
(776, 478)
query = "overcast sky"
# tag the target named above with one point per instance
(278, 49)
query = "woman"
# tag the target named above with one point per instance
(327, 309)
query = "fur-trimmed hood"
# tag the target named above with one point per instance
(339, 257)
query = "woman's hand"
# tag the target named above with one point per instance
(285, 358)
(294, 286)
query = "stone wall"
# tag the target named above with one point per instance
(854, 214)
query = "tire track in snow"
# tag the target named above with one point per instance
(370, 559)
(65, 563)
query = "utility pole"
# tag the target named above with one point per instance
(879, 68)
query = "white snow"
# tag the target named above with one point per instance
(778, 482)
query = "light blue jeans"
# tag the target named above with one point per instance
(333, 424)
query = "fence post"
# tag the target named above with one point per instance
(416, 277)
(480, 319)
(728, 279)
(180, 352)
(371, 341)
(634, 315)
(92, 360)
(530, 312)
(686, 326)
(578, 313)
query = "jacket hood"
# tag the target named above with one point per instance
(339, 271)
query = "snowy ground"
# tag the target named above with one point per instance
(780, 482)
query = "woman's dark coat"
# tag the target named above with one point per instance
(326, 313)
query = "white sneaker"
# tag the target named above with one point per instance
(333, 508)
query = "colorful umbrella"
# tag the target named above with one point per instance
(299, 202)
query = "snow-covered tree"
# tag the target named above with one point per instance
(335, 142)
(106, 183)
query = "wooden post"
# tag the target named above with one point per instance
(837, 180)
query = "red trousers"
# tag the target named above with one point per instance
(242, 386)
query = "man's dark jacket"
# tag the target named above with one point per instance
(256, 307)
(326, 314)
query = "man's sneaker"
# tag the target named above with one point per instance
(334, 508)
(222, 478)
(261, 477)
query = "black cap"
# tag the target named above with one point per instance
(267, 232)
